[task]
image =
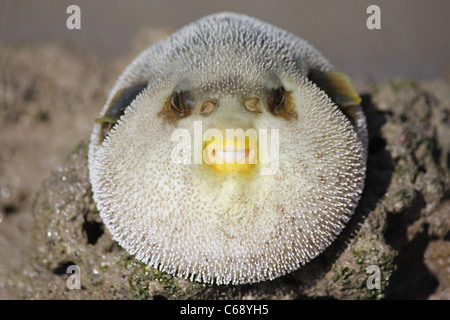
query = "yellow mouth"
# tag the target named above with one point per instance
(231, 156)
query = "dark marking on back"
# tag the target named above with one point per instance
(339, 88)
(121, 100)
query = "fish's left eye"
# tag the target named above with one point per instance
(276, 100)
(176, 103)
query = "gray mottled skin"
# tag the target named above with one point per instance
(233, 228)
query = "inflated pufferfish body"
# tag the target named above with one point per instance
(180, 192)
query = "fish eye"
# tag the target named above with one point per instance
(176, 103)
(276, 100)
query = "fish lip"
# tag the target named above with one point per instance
(232, 156)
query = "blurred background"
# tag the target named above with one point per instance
(54, 81)
(413, 40)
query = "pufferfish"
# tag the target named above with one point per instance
(230, 152)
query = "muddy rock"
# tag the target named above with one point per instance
(396, 246)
